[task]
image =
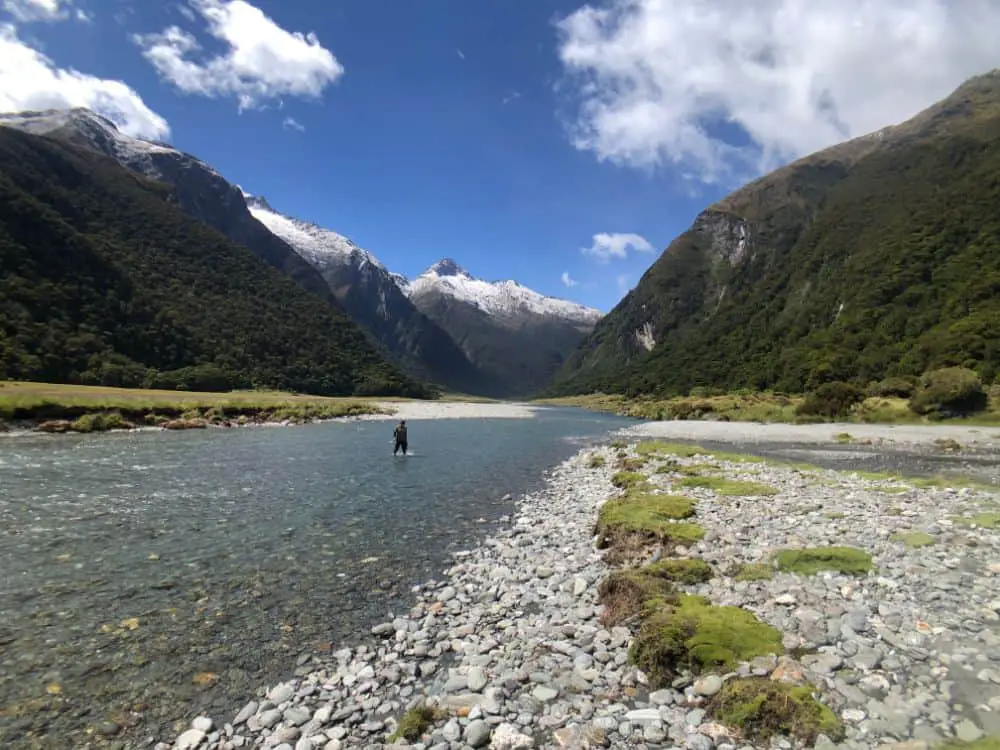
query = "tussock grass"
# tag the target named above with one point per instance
(760, 708)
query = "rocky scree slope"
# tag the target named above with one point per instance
(104, 280)
(515, 335)
(370, 295)
(874, 258)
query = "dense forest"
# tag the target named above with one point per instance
(104, 280)
(877, 258)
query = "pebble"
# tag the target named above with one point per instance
(509, 644)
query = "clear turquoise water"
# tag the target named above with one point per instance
(237, 550)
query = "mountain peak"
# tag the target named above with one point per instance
(256, 201)
(447, 267)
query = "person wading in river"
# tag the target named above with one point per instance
(400, 434)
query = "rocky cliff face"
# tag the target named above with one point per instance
(861, 261)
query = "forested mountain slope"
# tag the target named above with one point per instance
(104, 279)
(877, 257)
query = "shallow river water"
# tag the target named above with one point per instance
(147, 577)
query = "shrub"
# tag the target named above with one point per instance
(892, 388)
(760, 708)
(831, 400)
(949, 391)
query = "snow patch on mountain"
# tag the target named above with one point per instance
(101, 132)
(317, 245)
(494, 297)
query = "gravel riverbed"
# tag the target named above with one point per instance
(509, 650)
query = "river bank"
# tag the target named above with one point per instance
(61, 409)
(532, 638)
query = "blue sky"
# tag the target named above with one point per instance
(511, 135)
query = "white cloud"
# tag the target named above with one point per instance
(42, 10)
(30, 80)
(616, 245)
(186, 11)
(568, 281)
(511, 97)
(461, 55)
(291, 123)
(263, 61)
(655, 79)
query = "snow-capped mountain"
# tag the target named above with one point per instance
(199, 190)
(500, 298)
(510, 332)
(371, 296)
(317, 245)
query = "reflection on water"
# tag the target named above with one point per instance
(148, 576)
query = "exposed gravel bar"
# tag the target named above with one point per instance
(509, 651)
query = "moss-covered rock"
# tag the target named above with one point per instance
(624, 479)
(759, 708)
(983, 743)
(626, 593)
(812, 560)
(414, 723)
(694, 634)
(596, 462)
(639, 519)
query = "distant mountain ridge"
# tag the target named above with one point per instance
(517, 336)
(370, 295)
(874, 258)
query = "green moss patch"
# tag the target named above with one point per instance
(633, 522)
(693, 634)
(760, 708)
(661, 447)
(983, 743)
(685, 571)
(834, 515)
(596, 462)
(847, 560)
(754, 572)
(730, 487)
(982, 520)
(914, 539)
(625, 479)
(414, 724)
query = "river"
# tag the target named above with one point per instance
(152, 576)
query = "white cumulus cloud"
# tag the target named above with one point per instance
(606, 246)
(567, 280)
(31, 81)
(655, 81)
(262, 60)
(290, 123)
(42, 10)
